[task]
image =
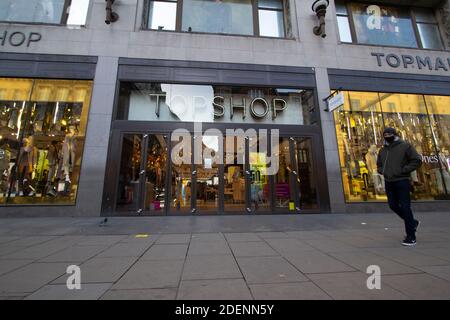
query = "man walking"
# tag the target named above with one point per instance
(396, 160)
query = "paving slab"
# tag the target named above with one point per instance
(174, 239)
(11, 265)
(141, 294)
(60, 292)
(330, 245)
(207, 237)
(77, 254)
(269, 270)
(152, 275)
(288, 291)
(306, 235)
(360, 260)
(252, 249)
(316, 262)
(107, 240)
(420, 286)
(241, 237)
(230, 289)
(125, 250)
(211, 267)
(200, 248)
(102, 270)
(288, 245)
(442, 272)
(353, 286)
(166, 252)
(272, 235)
(409, 256)
(31, 277)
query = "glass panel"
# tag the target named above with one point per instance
(284, 185)
(425, 15)
(407, 113)
(271, 23)
(130, 167)
(207, 187)
(306, 175)
(344, 29)
(202, 103)
(270, 4)
(181, 184)
(78, 12)
(359, 128)
(234, 174)
(13, 96)
(381, 25)
(219, 16)
(162, 15)
(438, 108)
(430, 36)
(155, 174)
(259, 175)
(45, 137)
(49, 11)
(341, 8)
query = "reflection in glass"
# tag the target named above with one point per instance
(49, 11)
(129, 173)
(234, 174)
(259, 179)
(219, 16)
(344, 29)
(430, 36)
(271, 23)
(423, 123)
(181, 183)
(382, 25)
(78, 12)
(162, 15)
(207, 183)
(42, 128)
(284, 184)
(305, 173)
(155, 174)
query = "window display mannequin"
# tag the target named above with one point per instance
(53, 156)
(25, 166)
(5, 159)
(371, 161)
(69, 148)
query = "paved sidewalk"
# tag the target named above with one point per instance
(229, 257)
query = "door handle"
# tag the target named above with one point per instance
(194, 172)
(294, 172)
(142, 172)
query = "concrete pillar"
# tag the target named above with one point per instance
(337, 200)
(90, 190)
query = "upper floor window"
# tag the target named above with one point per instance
(239, 17)
(70, 12)
(375, 24)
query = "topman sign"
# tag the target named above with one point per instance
(406, 61)
(18, 38)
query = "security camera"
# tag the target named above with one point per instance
(320, 9)
(320, 5)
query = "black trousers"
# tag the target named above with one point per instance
(399, 199)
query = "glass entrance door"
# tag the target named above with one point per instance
(142, 175)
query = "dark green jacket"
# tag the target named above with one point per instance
(397, 160)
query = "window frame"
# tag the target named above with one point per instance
(145, 26)
(414, 23)
(63, 20)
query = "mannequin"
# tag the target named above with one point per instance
(69, 152)
(53, 156)
(26, 163)
(5, 159)
(371, 161)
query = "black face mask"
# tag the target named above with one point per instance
(389, 139)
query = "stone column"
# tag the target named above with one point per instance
(446, 20)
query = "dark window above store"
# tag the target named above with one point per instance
(265, 18)
(386, 25)
(56, 12)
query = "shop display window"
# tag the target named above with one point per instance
(42, 133)
(420, 120)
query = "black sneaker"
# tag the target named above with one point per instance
(417, 225)
(409, 242)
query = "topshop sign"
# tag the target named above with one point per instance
(406, 61)
(18, 38)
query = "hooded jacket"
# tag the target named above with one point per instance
(397, 160)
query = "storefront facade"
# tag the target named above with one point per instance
(94, 116)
